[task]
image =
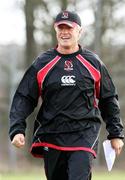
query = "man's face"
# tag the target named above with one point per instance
(67, 36)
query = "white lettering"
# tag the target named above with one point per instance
(68, 80)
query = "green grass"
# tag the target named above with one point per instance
(114, 175)
(18, 176)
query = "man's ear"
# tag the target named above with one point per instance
(55, 27)
(80, 32)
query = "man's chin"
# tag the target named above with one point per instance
(66, 45)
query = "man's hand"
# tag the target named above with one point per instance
(18, 140)
(117, 144)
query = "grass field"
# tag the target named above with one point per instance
(96, 176)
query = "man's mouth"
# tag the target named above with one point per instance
(65, 38)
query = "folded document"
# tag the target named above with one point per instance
(110, 154)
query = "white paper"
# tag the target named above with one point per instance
(109, 154)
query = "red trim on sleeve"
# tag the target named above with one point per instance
(94, 73)
(44, 71)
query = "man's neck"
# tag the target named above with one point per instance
(67, 50)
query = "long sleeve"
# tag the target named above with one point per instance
(109, 106)
(24, 102)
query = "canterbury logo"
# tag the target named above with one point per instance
(68, 80)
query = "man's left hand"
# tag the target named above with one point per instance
(117, 144)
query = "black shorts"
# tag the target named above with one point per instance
(67, 165)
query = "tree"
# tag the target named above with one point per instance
(30, 41)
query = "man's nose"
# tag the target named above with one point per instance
(64, 30)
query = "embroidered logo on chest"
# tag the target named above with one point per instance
(68, 66)
(68, 80)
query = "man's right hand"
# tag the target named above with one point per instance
(18, 140)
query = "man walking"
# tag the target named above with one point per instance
(76, 91)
